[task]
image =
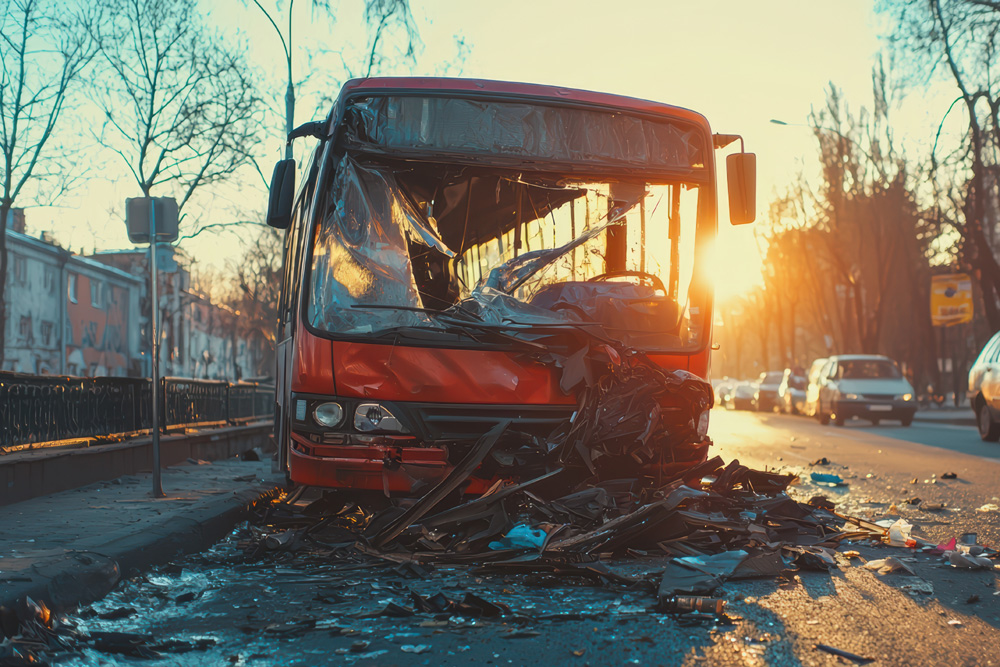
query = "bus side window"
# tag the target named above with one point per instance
(290, 263)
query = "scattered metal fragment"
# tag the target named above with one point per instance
(685, 604)
(854, 657)
(964, 560)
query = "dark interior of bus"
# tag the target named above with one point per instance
(473, 206)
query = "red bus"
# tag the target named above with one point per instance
(438, 218)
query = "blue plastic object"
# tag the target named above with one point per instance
(521, 536)
(824, 478)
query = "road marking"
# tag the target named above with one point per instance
(953, 427)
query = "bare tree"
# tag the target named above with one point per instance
(41, 60)
(180, 107)
(849, 257)
(252, 293)
(959, 39)
(382, 17)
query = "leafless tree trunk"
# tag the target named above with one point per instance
(41, 59)
(180, 107)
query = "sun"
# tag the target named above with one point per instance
(734, 262)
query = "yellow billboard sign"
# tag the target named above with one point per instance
(951, 299)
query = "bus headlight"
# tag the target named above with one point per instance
(328, 414)
(370, 417)
(703, 424)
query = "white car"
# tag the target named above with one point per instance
(984, 389)
(867, 386)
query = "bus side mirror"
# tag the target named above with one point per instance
(741, 169)
(282, 195)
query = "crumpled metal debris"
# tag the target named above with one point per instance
(967, 560)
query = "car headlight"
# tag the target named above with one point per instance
(328, 414)
(370, 417)
(851, 397)
(904, 397)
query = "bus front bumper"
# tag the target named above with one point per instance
(387, 468)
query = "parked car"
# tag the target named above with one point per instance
(741, 397)
(766, 397)
(812, 386)
(984, 389)
(792, 392)
(868, 386)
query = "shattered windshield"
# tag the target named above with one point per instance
(410, 251)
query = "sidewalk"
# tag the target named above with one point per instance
(72, 547)
(954, 416)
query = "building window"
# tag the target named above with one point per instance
(96, 293)
(50, 279)
(46, 333)
(20, 269)
(71, 282)
(25, 330)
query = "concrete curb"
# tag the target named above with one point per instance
(32, 473)
(77, 576)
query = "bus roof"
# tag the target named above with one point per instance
(502, 88)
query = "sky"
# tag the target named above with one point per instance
(739, 63)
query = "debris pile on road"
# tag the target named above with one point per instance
(624, 479)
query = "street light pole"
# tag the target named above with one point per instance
(155, 349)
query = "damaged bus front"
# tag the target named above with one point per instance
(465, 254)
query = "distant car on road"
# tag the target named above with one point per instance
(984, 389)
(868, 386)
(723, 388)
(741, 397)
(792, 393)
(766, 397)
(812, 386)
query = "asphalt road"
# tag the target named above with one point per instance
(303, 613)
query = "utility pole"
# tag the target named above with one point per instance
(154, 373)
(142, 215)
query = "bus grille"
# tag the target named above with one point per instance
(462, 422)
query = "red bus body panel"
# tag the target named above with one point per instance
(442, 375)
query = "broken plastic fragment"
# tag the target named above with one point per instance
(415, 648)
(888, 566)
(828, 479)
(899, 534)
(521, 536)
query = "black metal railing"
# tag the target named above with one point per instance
(40, 408)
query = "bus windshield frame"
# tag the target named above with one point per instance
(389, 213)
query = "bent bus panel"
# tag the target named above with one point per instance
(439, 221)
